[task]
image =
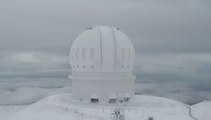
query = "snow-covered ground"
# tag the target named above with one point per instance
(28, 95)
(61, 107)
(202, 110)
(8, 111)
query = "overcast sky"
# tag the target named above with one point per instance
(172, 39)
(181, 26)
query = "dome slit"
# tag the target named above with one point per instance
(101, 49)
(115, 46)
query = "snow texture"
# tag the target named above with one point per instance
(28, 95)
(62, 107)
(202, 110)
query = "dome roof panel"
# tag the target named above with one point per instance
(87, 38)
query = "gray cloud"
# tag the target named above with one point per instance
(154, 26)
(36, 58)
(31, 65)
(185, 77)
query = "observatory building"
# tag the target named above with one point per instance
(102, 59)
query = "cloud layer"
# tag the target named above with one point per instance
(185, 77)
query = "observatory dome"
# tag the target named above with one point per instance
(102, 61)
(102, 49)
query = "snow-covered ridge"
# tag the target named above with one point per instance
(202, 110)
(61, 107)
(28, 95)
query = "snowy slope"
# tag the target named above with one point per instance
(7, 111)
(202, 110)
(28, 95)
(61, 107)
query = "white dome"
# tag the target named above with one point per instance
(102, 60)
(102, 49)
